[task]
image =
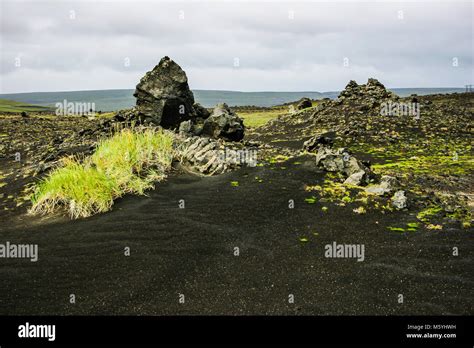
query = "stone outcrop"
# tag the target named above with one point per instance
(163, 96)
(304, 103)
(373, 90)
(343, 162)
(201, 111)
(387, 184)
(338, 160)
(326, 139)
(223, 123)
(164, 99)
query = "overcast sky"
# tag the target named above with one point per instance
(236, 45)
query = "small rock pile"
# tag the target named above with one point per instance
(342, 161)
(373, 91)
(356, 112)
(356, 172)
(338, 160)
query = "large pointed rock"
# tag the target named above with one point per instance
(163, 95)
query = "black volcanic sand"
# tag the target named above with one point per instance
(191, 251)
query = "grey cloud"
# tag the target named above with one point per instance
(275, 52)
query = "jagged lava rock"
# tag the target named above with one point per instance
(342, 161)
(373, 90)
(387, 184)
(223, 123)
(304, 103)
(325, 139)
(163, 95)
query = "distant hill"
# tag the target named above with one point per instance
(110, 100)
(17, 107)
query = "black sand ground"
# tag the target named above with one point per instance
(191, 251)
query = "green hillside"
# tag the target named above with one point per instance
(17, 107)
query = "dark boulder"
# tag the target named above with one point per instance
(304, 103)
(201, 111)
(326, 139)
(223, 123)
(163, 95)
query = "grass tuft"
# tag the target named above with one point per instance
(128, 162)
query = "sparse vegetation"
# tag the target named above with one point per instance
(12, 106)
(396, 229)
(258, 118)
(128, 162)
(426, 215)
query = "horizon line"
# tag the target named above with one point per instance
(222, 90)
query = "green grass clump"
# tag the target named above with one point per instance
(82, 189)
(128, 162)
(135, 159)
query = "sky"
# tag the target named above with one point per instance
(235, 45)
